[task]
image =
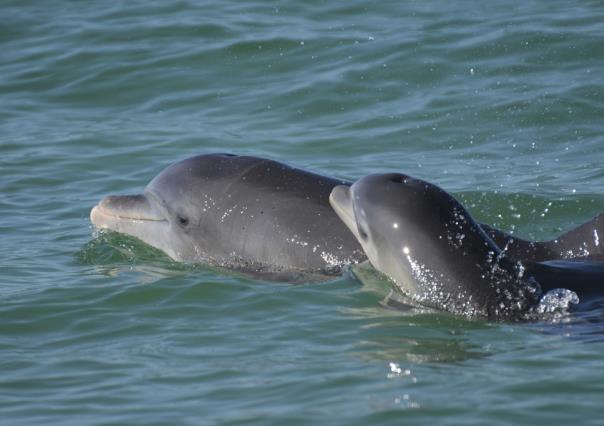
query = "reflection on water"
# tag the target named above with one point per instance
(585, 325)
(111, 254)
(394, 329)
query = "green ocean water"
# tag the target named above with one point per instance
(501, 103)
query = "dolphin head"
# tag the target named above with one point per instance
(393, 216)
(428, 244)
(169, 214)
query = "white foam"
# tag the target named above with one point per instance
(557, 300)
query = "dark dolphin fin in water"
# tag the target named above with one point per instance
(581, 242)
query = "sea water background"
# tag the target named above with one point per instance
(501, 103)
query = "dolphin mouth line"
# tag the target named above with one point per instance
(100, 210)
(116, 211)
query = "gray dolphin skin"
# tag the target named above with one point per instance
(428, 244)
(239, 212)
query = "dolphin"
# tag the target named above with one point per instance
(428, 244)
(240, 212)
(254, 215)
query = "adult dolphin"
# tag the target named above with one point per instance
(241, 212)
(428, 244)
(248, 213)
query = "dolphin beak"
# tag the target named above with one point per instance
(121, 213)
(341, 201)
(139, 216)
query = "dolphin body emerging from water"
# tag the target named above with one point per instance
(425, 241)
(240, 212)
(258, 215)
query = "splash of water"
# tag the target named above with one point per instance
(557, 300)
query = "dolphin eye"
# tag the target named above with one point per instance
(183, 220)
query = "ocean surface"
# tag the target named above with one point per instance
(501, 103)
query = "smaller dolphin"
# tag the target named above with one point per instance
(428, 244)
(425, 241)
